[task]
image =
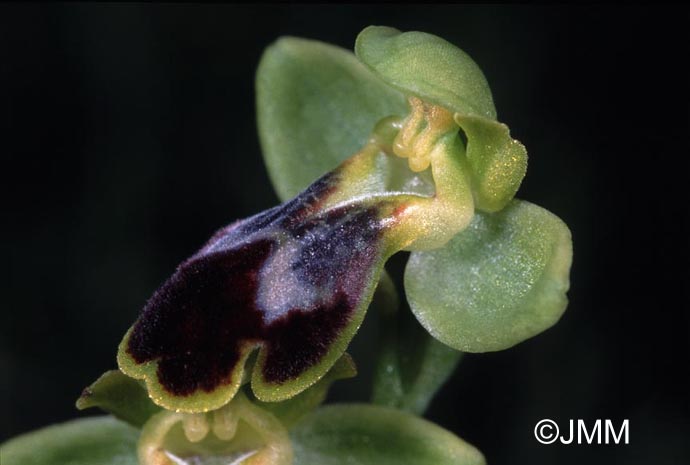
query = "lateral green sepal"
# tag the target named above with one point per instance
(501, 281)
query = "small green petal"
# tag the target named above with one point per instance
(358, 434)
(421, 64)
(498, 162)
(316, 106)
(501, 281)
(120, 395)
(92, 441)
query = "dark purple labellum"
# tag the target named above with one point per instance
(288, 279)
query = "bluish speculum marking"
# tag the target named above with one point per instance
(287, 279)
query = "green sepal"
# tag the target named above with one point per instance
(428, 67)
(316, 106)
(120, 395)
(291, 410)
(501, 281)
(91, 441)
(360, 434)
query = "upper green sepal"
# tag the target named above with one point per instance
(316, 105)
(501, 281)
(428, 67)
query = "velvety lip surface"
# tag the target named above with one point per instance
(288, 279)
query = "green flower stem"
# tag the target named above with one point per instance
(412, 366)
(387, 384)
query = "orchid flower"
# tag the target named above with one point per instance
(394, 148)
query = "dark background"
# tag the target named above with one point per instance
(128, 137)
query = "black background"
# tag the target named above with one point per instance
(128, 137)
